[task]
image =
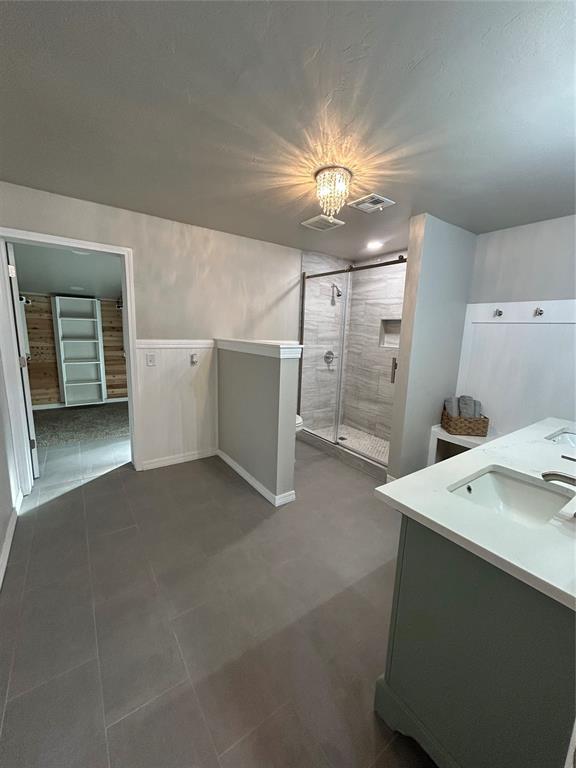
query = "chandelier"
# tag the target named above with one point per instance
(332, 188)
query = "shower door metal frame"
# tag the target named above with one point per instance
(350, 269)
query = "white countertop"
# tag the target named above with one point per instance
(542, 556)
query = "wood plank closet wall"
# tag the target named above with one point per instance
(43, 369)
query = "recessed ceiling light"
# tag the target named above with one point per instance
(374, 245)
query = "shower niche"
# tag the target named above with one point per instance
(390, 333)
(353, 312)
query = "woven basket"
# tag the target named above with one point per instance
(459, 425)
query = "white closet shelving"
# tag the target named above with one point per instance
(79, 349)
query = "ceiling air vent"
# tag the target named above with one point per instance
(371, 203)
(322, 223)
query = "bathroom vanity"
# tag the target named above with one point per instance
(481, 666)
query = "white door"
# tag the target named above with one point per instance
(24, 356)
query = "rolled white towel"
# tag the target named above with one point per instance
(451, 405)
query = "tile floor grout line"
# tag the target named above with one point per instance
(50, 680)
(170, 688)
(111, 533)
(197, 698)
(255, 728)
(186, 668)
(145, 704)
(388, 744)
(98, 662)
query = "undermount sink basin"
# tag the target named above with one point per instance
(564, 437)
(519, 497)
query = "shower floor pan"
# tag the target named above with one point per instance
(354, 439)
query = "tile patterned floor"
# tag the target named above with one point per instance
(59, 427)
(356, 440)
(174, 619)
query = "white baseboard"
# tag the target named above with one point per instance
(7, 543)
(277, 501)
(390, 479)
(178, 458)
(18, 502)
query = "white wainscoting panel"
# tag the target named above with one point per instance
(177, 402)
(520, 364)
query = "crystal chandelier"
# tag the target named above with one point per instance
(332, 188)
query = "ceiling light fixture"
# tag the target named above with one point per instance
(332, 188)
(374, 245)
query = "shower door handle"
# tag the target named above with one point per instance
(393, 371)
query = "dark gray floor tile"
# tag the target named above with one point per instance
(57, 725)
(110, 484)
(23, 535)
(238, 698)
(269, 607)
(13, 582)
(118, 563)
(169, 732)
(56, 634)
(63, 511)
(139, 654)
(315, 580)
(9, 626)
(186, 582)
(281, 741)
(211, 637)
(403, 753)
(59, 554)
(107, 512)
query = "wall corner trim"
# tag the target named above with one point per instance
(276, 500)
(278, 349)
(174, 343)
(7, 543)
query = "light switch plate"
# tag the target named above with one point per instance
(151, 359)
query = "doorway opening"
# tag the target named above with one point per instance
(72, 332)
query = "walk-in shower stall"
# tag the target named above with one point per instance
(350, 328)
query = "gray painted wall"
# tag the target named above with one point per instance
(190, 282)
(256, 415)
(440, 263)
(535, 261)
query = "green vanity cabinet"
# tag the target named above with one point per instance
(481, 666)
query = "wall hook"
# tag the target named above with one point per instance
(538, 312)
(498, 313)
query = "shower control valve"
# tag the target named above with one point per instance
(329, 357)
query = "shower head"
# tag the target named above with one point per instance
(336, 290)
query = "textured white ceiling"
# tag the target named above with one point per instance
(43, 269)
(217, 113)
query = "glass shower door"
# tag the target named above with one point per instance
(323, 337)
(372, 348)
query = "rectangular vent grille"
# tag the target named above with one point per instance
(322, 223)
(371, 203)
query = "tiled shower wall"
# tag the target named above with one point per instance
(376, 296)
(322, 332)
